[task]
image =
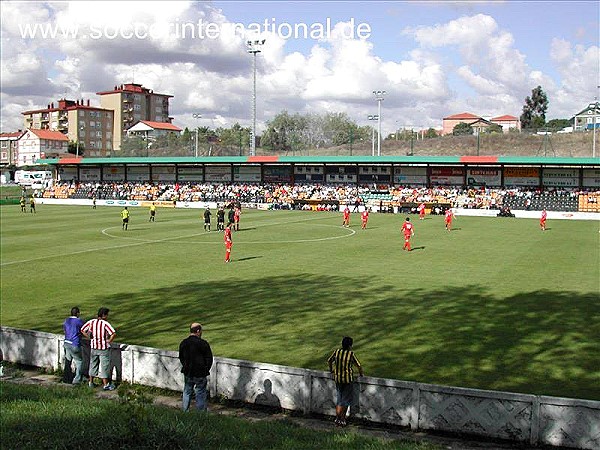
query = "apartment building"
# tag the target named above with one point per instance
(90, 127)
(9, 148)
(131, 104)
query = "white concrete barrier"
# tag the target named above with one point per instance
(493, 414)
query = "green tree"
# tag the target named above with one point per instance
(494, 128)
(72, 148)
(558, 124)
(462, 129)
(431, 133)
(534, 109)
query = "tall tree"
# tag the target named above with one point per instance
(534, 109)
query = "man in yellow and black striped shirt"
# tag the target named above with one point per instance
(341, 364)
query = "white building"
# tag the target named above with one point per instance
(150, 129)
(37, 144)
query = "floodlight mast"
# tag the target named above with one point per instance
(373, 117)
(379, 97)
(254, 48)
(196, 116)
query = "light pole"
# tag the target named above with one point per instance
(379, 97)
(595, 106)
(254, 48)
(373, 117)
(196, 116)
(81, 128)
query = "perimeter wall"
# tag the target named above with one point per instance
(529, 419)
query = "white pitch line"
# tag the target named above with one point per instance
(79, 252)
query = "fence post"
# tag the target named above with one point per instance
(535, 421)
(416, 403)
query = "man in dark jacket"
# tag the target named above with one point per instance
(196, 360)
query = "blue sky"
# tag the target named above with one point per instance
(433, 58)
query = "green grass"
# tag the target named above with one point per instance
(495, 304)
(36, 417)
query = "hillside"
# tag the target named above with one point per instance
(576, 145)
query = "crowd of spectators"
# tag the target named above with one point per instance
(298, 196)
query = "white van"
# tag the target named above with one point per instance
(36, 179)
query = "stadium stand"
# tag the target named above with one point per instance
(589, 202)
(327, 197)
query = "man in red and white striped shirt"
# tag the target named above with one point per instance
(101, 334)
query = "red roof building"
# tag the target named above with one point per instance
(506, 122)
(89, 126)
(37, 144)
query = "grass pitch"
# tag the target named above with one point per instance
(494, 304)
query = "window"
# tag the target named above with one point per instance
(99, 134)
(137, 107)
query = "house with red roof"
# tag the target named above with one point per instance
(448, 123)
(507, 122)
(36, 144)
(479, 123)
(151, 130)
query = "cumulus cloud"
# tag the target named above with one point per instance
(469, 63)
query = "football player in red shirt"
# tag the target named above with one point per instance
(346, 222)
(421, 209)
(543, 219)
(408, 230)
(236, 218)
(228, 242)
(365, 218)
(448, 219)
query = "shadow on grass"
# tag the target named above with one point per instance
(539, 342)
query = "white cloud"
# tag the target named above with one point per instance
(466, 64)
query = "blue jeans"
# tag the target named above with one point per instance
(74, 354)
(195, 385)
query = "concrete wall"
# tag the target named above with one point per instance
(517, 417)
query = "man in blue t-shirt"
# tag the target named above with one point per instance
(72, 326)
